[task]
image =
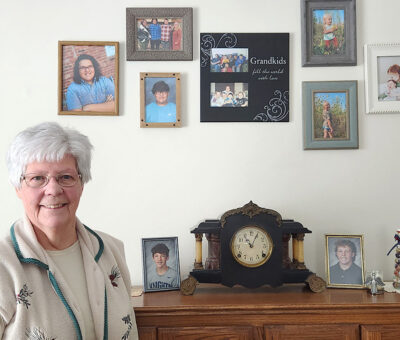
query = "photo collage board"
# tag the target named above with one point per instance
(244, 77)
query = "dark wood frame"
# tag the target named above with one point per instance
(133, 14)
(61, 44)
(350, 57)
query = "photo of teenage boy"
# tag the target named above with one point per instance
(161, 110)
(155, 32)
(166, 30)
(161, 276)
(345, 270)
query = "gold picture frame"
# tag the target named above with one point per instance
(345, 261)
(160, 99)
(88, 78)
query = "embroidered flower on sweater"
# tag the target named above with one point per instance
(22, 296)
(37, 334)
(115, 274)
(127, 320)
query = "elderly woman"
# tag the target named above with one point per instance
(59, 278)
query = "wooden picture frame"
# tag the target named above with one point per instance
(88, 78)
(382, 74)
(255, 88)
(324, 42)
(140, 44)
(161, 269)
(330, 119)
(158, 111)
(345, 261)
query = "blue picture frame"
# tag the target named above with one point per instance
(342, 111)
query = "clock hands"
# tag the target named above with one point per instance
(252, 244)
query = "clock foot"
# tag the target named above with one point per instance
(316, 283)
(188, 286)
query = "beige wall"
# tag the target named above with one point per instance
(163, 182)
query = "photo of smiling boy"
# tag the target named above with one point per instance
(163, 276)
(161, 110)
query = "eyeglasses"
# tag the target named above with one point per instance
(86, 68)
(40, 181)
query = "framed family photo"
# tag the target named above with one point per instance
(88, 78)
(160, 264)
(244, 77)
(382, 78)
(159, 33)
(345, 261)
(160, 100)
(328, 29)
(330, 119)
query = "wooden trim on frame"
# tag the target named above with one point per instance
(108, 67)
(145, 121)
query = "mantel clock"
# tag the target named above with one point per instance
(249, 246)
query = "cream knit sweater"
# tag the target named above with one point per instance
(36, 303)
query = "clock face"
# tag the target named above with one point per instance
(251, 246)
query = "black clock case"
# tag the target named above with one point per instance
(230, 272)
(234, 273)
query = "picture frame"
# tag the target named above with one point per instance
(161, 270)
(140, 44)
(244, 77)
(382, 72)
(330, 118)
(88, 78)
(328, 29)
(345, 261)
(157, 109)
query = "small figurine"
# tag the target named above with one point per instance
(374, 282)
(396, 279)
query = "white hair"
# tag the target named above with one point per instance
(48, 142)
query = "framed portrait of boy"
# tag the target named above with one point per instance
(159, 33)
(345, 261)
(160, 100)
(160, 264)
(328, 29)
(382, 78)
(88, 78)
(330, 115)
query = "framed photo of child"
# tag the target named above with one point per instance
(160, 264)
(382, 78)
(160, 100)
(159, 33)
(88, 78)
(345, 261)
(328, 30)
(330, 115)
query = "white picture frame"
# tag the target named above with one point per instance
(377, 57)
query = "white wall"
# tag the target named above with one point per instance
(163, 182)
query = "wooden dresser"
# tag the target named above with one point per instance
(289, 312)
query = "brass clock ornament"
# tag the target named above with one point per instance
(249, 246)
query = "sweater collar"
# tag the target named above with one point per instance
(29, 250)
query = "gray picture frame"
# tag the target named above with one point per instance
(349, 58)
(172, 262)
(134, 14)
(310, 89)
